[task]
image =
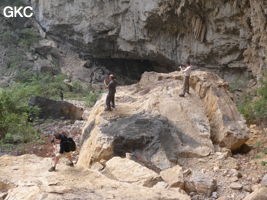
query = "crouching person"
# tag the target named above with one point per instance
(67, 145)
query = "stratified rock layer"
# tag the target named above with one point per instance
(157, 126)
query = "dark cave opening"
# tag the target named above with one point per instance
(129, 71)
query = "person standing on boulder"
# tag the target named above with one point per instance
(187, 72)
(66, 146)
(110, 100)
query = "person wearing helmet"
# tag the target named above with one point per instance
(110, 100)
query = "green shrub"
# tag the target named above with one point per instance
(46, 85)
(50, 86)
(254, 108)
(77, 87)
(14, 125)
(9, 138)
(28, 37)
(91, 99)
(15, 112)
(24, 76)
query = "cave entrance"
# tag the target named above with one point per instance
(129, 71)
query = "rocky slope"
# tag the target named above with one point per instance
(153, 145)
(26, 177)
(151, 121)
(223, 36)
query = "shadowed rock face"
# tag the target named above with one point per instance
(150, 136)
(223, 36)
(158, 127)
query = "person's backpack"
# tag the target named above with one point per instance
(71, 144)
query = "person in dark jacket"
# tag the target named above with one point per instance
(110, 100)
(64, 150)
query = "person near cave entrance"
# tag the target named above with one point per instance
(187, 71)
(110, 100)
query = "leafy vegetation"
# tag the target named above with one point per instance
(32, 84)
(52, 86)
(17, 36)
(27, 37)
(254, 106)
(15, 127)
(261, 152)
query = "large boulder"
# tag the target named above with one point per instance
(227, 126)
(56, 109)
(157, 126)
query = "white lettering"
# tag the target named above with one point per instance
(8, 11)
(25, 11)
(18, 12)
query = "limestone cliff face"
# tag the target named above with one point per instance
(223, 36)
(256, 53)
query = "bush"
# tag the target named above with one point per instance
(15, 112)
(28, 37)
(254, 109)
(77, 87)
(47, 85)
(14, 125)
(51, 86)
(82, 93)
(91, 99)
